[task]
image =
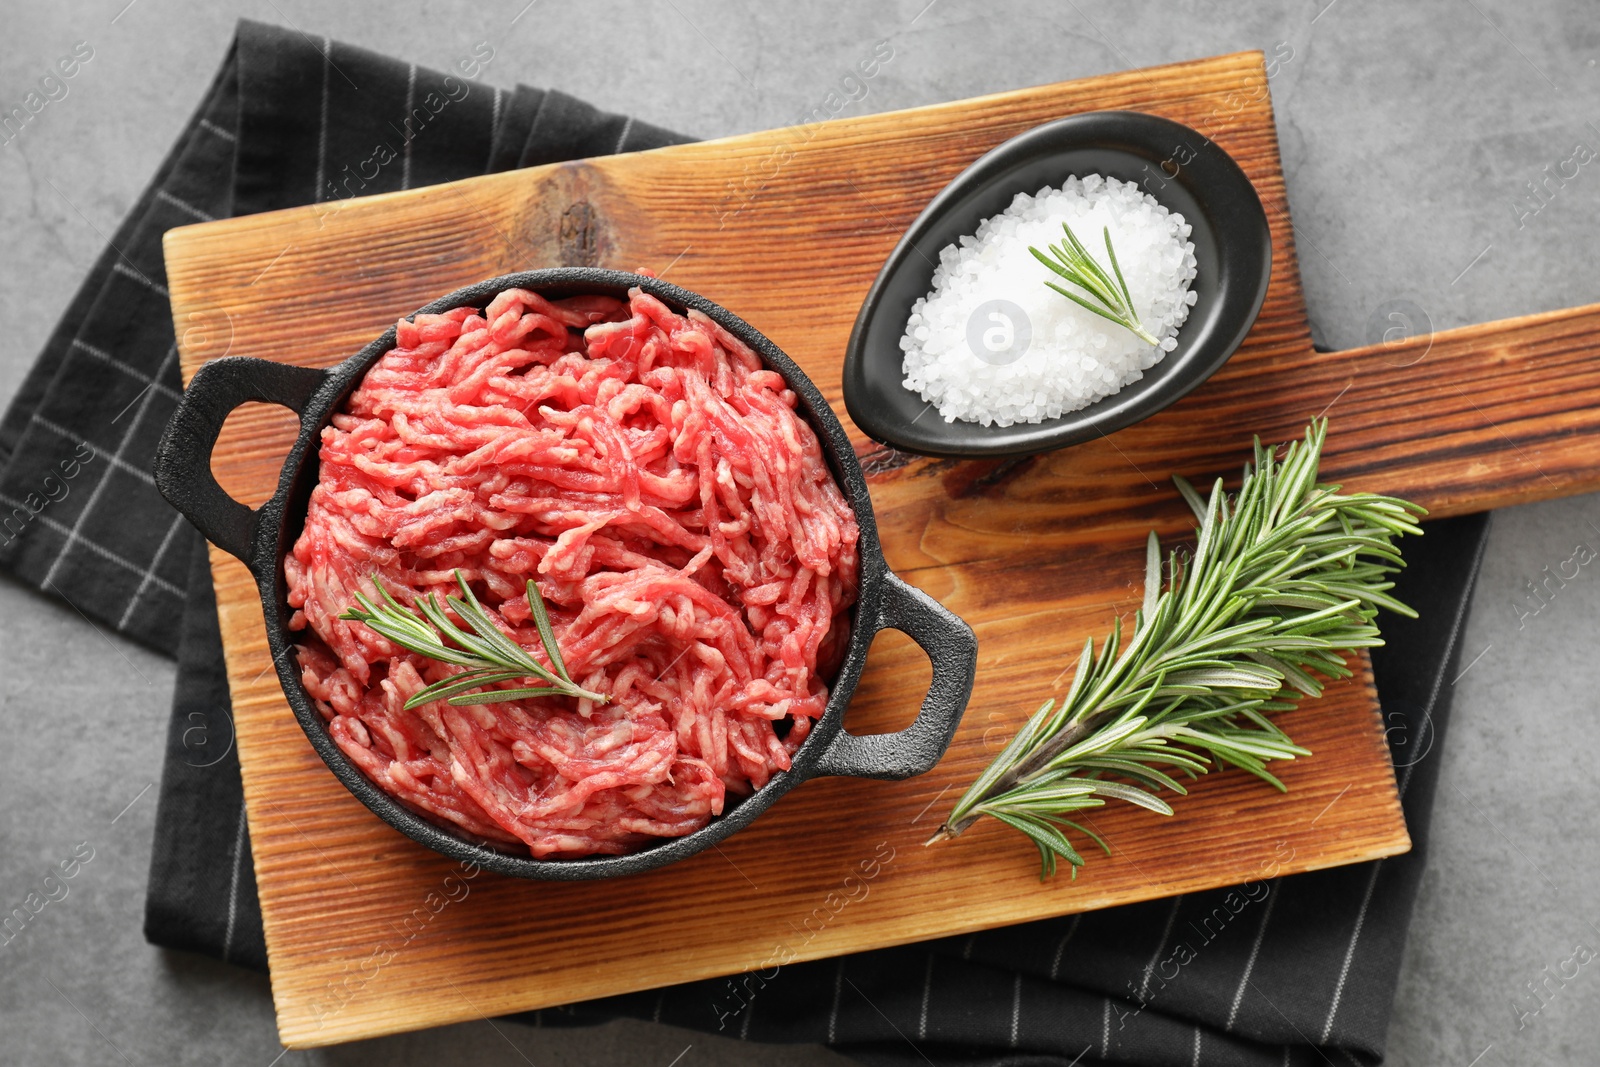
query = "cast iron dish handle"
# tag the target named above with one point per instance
(183, 458)
(953, 649)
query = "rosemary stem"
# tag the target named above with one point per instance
(589, 695)
(1286, 579)
(1099, 292)
(1036, 760)
(488, 653)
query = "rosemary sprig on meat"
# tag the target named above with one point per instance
(488, 654)
(1286, 579)
(1107, 298)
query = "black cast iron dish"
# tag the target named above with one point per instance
(262, 538)
(1182, 169)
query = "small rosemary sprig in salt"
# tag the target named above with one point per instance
(1111, 299)
(488, 654)
(1286, 578)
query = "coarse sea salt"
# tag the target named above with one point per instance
(991, 343)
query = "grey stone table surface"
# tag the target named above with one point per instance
(1412, 136)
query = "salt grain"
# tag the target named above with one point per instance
(992, 344)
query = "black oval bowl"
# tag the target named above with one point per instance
(262, 538)
(1232, 247)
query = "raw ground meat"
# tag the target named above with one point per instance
(697, 557)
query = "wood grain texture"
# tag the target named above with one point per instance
(788, 229)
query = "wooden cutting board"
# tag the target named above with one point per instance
(370, 934)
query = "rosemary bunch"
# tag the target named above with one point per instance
(488, 654)
(1286, 578)
(1108, 298)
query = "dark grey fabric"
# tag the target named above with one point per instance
(202, 894)
(1283, 970)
